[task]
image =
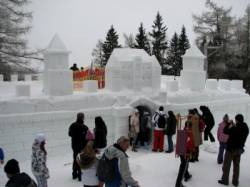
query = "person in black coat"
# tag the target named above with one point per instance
(77, 132)
(170, 130)
(208, 118)
(17, 179)
(100, 131)
(235, 147)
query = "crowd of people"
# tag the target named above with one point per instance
(90, 150)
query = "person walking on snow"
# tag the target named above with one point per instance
(184, 158)
(77, 132)
(197, 138)
(222, 138)
(39, 160)
(159, 121)
(123, 176)
(208, 118)
(237, 135)
(170, 130)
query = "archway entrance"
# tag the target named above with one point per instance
(146, 130)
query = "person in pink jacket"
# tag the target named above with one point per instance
(222, 138)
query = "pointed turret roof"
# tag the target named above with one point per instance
(56, 45)
(194, 52)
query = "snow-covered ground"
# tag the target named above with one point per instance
(152, 169)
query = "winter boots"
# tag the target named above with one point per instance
(187, 177)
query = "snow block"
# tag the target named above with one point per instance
(27, 77)
(37, 77)
(56, 61)
(237, 85)
(1, 77)
(58, 82)
(194, 64)
(22, 90)
(224, 84)
(172, 86)
(90, 85)
(211, 84)
(193, 80)
(162, 97)
(14, 77)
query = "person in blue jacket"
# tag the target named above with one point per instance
(1, 156)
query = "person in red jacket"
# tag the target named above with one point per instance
(183, 169)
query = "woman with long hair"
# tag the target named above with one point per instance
(100, 134)
(88, 163)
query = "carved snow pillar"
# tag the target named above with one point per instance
(121, 121)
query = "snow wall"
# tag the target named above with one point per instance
(17, 131)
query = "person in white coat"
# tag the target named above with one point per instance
(88, 163)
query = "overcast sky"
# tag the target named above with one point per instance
(81, 23)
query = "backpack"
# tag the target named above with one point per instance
(106, 169)
(161, 121)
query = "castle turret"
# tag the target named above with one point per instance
(57, 78)
(193, 75)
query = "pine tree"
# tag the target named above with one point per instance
(174, 56)
(97, 54)
(110, 44)
(14, 25)
(142, 40)
(159, 41)
(183, 41)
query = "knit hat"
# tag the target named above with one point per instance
(90, 135)
(40, 137)
(12, 167)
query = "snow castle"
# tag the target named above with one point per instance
(133, 80)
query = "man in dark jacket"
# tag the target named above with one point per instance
(208, 118)
(17, 179)
(77, 132)
(235, 147)
(170, 130)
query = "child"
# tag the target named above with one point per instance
(38, 160)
